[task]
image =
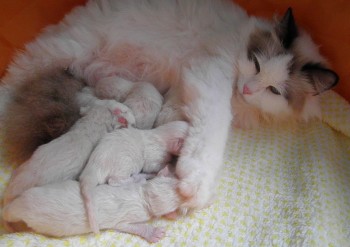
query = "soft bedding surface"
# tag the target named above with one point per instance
(282, 186)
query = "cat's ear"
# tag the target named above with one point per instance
(287, 29)
(320, 77)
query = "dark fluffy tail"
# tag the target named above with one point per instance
(41, 109)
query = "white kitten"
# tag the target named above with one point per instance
(58, 209)
(64, 157)
(145, 102)
(141, 97)
(210, 50)
(125, 152)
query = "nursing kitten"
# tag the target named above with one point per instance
(141, 97)
(126, 152)
(65, 157)
(225, 64)
(58, 209)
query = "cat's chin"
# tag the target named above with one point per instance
(245, 115)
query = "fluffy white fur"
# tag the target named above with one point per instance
(145, 102)
(199, 46)
(142, 98)
(65, 157)
(58, 209)
(171, 109)
(125, 152)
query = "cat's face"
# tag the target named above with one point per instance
(281, 72)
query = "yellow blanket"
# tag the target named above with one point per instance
(284, 186)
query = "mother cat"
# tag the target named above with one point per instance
(215, 62)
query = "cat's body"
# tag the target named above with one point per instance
(210, 50)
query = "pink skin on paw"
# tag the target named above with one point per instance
(123, 121)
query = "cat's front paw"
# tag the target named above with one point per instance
(196, 185)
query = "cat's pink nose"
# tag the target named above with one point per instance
(246, 90)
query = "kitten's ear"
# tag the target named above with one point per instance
(321, 78)
(287, 29)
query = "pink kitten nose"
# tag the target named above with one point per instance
(246, 90)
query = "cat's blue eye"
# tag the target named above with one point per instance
(273, 90)
(256, 63)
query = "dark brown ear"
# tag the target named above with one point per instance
(287, 29)
(321, 78)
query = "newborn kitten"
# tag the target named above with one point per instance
(125, 152)
(141, 97)
(145, 102)
(64, 158)
(58, 209)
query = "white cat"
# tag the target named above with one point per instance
(224, 64)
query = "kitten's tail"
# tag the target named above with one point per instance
(87, 184)
(37, 111)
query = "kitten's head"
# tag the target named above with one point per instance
(281, 72)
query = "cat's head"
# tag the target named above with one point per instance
(281, 72)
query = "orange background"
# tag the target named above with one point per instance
(327, 21)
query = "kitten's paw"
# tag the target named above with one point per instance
(157, 234)
(124, 114)
(126, 118)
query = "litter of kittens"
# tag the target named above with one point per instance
(110, 86)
